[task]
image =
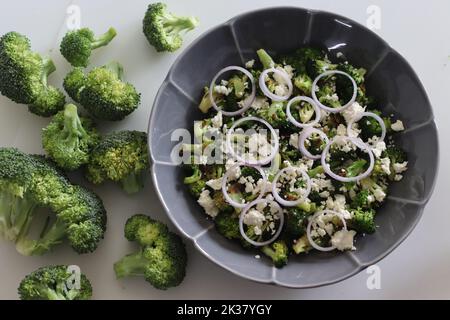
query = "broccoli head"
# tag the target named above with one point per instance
(77, 45)
(121, 157)
(162, 257)
(103, 92)
(362, 199)
(163, 29)
(296, 222)
(301, 57)
(29, 182)
(277, 251)
(395, 154)
(363, 221)
(68, 139)
(55, 283)
(23, 76)
(276, 116)
(228, 225)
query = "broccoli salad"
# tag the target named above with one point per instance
(292, 154)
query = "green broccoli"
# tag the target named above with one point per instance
(163, 29)
(23, 76)
(363, 221)
(296, 222)
(300, 58)
(103, 92)
(77, 45)
(68, 139)
(304, 83)
(228, 225)
(362, 200)
(316, 67)
(197, 188)
(55, 283)
(277, 251)
(196, 174)
(121, 157)
(276, 116)
(28, 182)
(162, 257)
(265, 59)
(221, 203)
(395, 154)
(356, 73)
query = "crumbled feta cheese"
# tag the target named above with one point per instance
(343, 240)
(217, 120)
(338, 205)
(379, 194)
(249, 64)
(260, 184)
(398, 126)
(257, 230)
(400, 167)
(254, 218)
(222, 90)
(339, 55)
(398, 177)
(352, 112)
(377, 146)
(324, 194)
(215, 184)
(281, 90)
(235, 172)
(260, 103)
(257, 256)
(207, 203)
(386, 165)
(341, 130)
(293, 140)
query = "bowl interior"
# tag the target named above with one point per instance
(390, 80)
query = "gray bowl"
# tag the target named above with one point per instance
(390, 79)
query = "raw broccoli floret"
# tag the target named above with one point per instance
(163, 29)
(23, 76)
(68, 139)
(55, 283)
(277, 251)
(28, 182)
(74, 83)
(121, 157)
(103, 92)
(77, 45)
(162, 257)
(363, 221)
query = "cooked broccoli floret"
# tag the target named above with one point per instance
(356, 73)
(276, 116)
(55, 283)
(299, 59)
(77, 45)
(304, 83)
(163, 29)
(228, 225)
(221, 203)
(195, 176)
(121, 157)
(317, 66)
(363, 221)
(196, 188)
(23, 76)
(362, 199)
(68, 139)
(103, 92)
(162, 257)
(296, 222)
(277, 251)
(395, 154)
(29, 182)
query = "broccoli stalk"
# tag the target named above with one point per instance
(163, 29)
(161, 259)
(265, 59)
(278, 252)
(77, 46)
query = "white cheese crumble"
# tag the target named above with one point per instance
(386, 165)
(260, 103)
(379, 194)
(341, 130)
(377, 146)
(217, 120)
(343, 240)
(353, 112)
(207, 203)
(293, 140)
(400, 167)
(222, 90)
(249, 64)
(235, 173)
(254, 218)
(215, 184)
(398, 126)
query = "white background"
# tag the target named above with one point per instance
(419, 30)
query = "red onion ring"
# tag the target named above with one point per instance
(308, 229)
(257, 162)
(357, 142)
(329, 109)
(280, 225)
(248, 101)
(266, 91)
(371, 115)
(225, 181)
(306, 133)
(299, 124)
(302, 198)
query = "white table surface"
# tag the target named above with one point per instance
(419, 268)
